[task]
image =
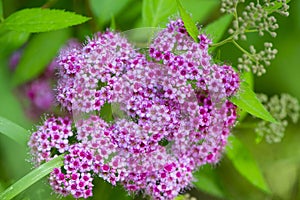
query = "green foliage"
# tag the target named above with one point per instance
(217, 28)
(249, 79)
(11, 40)
(31, 178)
(245, 164)
(188, 22)
(36, 20)
(106, 112)
(206, 6)
(10, 106)
(43, 45)
(13, 131)
(246, 100)
(157, 12)
(207, 181)
(104, 10)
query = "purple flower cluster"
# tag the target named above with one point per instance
(170, 114)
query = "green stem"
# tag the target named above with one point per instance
(31, 178)
(229, 39)
(244, 51)
(251, 31)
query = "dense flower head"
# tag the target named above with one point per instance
(86, 72)
(170, 113)
(50, 138)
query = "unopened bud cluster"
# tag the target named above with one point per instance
(255, 17)
(257, 60)
(281, 107)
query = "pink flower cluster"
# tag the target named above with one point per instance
(170, 114)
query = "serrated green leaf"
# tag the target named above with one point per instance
(38, 54)
(157, 12)
(13, 131)
(105, 9)
(31, 178)
(207, 181)
(11, 40)
(36, 20)
(246, 100)
(217, 28)
(245, 163)
(188, 22)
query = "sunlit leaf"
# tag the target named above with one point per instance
(35, 20)
(38, 54)
(245, 164)
(188, 22)
(104, 10)
(13, 131)
(157, 12)
(31, 178)
(217, 28)
(247, 100)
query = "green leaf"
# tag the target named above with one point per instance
(207, 181)
(157, 12)
(246, 100)
(249, 79)
(31, 178)
(106, 112)
(36, 20)
(13, 131)
(105, 9)
(207, 8)
(217, 28)
(245, 163)
(11, 40)
(38, 54)
(188, 22)
(141, 37)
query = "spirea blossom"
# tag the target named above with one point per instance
(170, 113)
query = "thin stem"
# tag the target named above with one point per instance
(251, 31)
(244, 51)
(229, 39)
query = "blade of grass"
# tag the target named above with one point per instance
(31, 178)
(13, 131)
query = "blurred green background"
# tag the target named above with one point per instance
(280, 163)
